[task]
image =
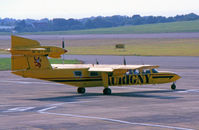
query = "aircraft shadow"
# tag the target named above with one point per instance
(137, 94)
(72, 98)
(147, 94)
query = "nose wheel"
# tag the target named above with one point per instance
(81, 90)
(107, 91)
(173, 86)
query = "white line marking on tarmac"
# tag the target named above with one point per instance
(19, 109)
(59, 104)
(189, 91)
(44, 111)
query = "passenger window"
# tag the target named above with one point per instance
(154, 71)
(78, 73)
(94, 74)
(129, 72)
(136, 71)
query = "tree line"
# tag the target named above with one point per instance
(61, 24)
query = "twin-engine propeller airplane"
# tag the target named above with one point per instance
(29, 59)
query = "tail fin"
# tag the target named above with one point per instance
(25, 55)
(19, 42)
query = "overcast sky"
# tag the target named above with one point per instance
(38, 9)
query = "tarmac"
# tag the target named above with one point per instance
(34, 104)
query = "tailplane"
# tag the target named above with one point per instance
(28, 54)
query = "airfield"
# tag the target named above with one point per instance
(34, 104)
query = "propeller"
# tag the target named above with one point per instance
(124, 62)
(63, 46)
(97, 62)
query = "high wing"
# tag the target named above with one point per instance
(102, 68)
(111, 68)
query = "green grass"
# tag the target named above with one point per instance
(139, 47)
(185, 26)
(143, 47)
(5, 63)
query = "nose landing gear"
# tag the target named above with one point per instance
(81, 90)
(173, 86)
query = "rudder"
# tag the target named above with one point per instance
(23, 57)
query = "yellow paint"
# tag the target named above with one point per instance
(29, 59)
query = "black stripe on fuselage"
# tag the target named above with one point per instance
(157, 77)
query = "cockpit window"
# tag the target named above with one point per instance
(78, 73)
(154, 71)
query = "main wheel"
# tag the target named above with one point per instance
(107, 91)
(173, 86)
(81, 90)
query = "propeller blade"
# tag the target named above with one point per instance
(124, 61)
(97, 62)
(63, 44)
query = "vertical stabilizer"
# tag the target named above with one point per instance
(27, 54)
(18, 42)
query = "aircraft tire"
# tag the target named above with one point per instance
(107, 91)
(173, 86)
(81, 90)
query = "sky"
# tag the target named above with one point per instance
(38, 9)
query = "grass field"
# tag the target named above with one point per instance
(2, 51)
(185, 26)
(142, 47)
(139, 47)
(5, 63)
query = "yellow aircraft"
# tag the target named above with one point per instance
(29, 59)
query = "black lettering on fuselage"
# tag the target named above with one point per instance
(134, 79)
(120, 80)
(147, 78)
(129, 79)
(123, 80)
(140, 79)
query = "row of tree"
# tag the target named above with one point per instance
(61, 24)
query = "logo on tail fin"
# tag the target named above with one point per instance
(37, 62)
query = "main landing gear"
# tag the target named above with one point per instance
(107, 91)
(173, 86)
(81, 90)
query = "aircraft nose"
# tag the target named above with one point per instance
(176, 77)
(65, 51)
